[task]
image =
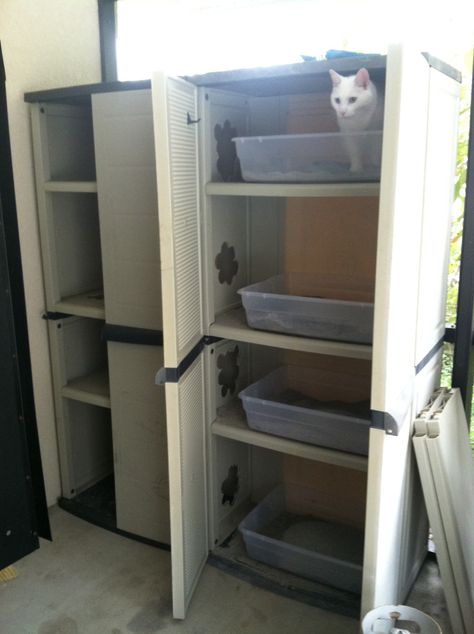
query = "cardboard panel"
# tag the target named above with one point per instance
(341, 491)
(333, 237)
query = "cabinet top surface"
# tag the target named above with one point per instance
(266, 81)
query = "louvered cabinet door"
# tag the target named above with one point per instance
(175, 110)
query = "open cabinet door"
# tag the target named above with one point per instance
(175, 129)
(396, 528)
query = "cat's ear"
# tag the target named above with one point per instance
(335, 77)
(362, 78)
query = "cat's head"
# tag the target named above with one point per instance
(351, 94)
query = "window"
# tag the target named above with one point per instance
(185, 37)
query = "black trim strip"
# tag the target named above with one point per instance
(444, 68)
(427, 358)
(450, 334)
(87, 514)
(86, 90)
(173, 375)
(127, 334)
(208, 340)
(325, 598)
(53, 316)
(384, 421)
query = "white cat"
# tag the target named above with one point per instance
(358, 107)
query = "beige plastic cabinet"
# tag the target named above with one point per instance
(97, 205)
(219, 234)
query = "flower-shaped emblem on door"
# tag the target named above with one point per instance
(226, 264)
(228, 164)
(230, 485)
(229, 370)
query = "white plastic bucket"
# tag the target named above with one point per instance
(398, 619)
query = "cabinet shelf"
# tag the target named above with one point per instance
(288, 190)
(231, 423)
(92, 389)
(233, 325)
(89, 304)
(73, 187)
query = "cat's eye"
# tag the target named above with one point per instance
(337, 100)
(352, 99)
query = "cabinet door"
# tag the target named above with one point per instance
(139, 439)
(175, 116)
(391, 532)
(126, 189)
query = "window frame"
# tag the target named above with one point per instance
(107, 35)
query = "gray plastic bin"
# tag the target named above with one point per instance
(303, 158)
(331, 311)
(281, 404)
(279, 536)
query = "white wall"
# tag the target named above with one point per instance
(46, 44)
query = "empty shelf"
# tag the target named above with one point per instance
(89, 304)
(231, 423)
(92, 389)
(233, 325)
(288, 190)
(77, 187)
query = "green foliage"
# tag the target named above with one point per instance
(457, 225)
(459, 193)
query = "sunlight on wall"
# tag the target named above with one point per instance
(185, 37)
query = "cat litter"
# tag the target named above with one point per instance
(279, 404)
(302, 304)
(310, 158)
(327, 552)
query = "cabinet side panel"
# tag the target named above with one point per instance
(70, 147)
(438, 199)
(91, 443)
(390, 471)
(74, 224)
(128, 208)
(399, 233)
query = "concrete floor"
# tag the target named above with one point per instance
(90, 581)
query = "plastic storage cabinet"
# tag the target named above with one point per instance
(97, 206)
(220, 234)
(384, 238)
